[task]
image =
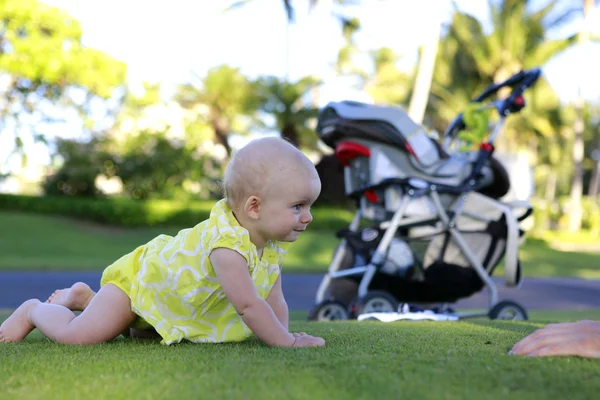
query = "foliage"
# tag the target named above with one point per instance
(518, 39)
(154, 166)
(285, 101)
(46, 68)
(554, 214)
(129, 212)
(344, 64)
(82, 162)
(387, 84)
(222, 98)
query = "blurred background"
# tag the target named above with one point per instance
(126, 112)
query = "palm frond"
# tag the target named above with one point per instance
(236, 4)
(548, 49)
(289, 10)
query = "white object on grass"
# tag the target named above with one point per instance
(411, 316)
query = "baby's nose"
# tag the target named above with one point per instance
(306, 218)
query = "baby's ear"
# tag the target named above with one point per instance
(252, 207)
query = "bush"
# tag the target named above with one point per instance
(554, 215)
(546, 215)
(82, 163)
(131, 213)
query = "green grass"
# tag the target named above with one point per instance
(363, 360)
(40, 242)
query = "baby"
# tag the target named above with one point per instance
(219, 281)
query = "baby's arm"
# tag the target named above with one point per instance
(232, 271)
(277, 302)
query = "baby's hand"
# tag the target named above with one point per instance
(304, 340)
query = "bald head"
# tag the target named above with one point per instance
(261, 166)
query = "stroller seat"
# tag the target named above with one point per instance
(429, 225)
(398, 147)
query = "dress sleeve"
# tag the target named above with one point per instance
(233, 240)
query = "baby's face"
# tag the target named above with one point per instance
(286, 212)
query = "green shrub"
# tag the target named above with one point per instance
(554, 215)
(131, 213)
(546, 215)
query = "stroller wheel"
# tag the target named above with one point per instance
(376, 301)
(508, 310)
(328, 310)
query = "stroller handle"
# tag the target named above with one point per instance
(519, 82)
(523, 78)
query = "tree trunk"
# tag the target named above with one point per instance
(290, 133)
(420, 95)
(575, 207)
(221, 128)
(550, 186)
(595, 180)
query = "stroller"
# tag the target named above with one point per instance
(429, 229)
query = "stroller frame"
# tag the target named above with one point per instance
(445, 220)
(418, 188)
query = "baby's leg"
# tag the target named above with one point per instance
(17, 326)
(75, 298)
(107, 315)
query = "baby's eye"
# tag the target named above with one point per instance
(297, 207)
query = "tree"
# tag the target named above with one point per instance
(81, 163)
(348, 23)
(290, 10)
(518, 39)
(46, 67)
(344, 63)
(427, 56)
(284, 101)
(154, 166)
(576, 209)
(594, 125)
(221, 98)
(387, 84)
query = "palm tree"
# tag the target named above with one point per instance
(517, 40)
(289, 8)
(388, 84)
(221, 98)
(284, 101)
(290, 12)
(575, 207)
(428, 53)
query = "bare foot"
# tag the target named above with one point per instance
(75, 298)
(17, 326)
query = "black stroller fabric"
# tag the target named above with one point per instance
(437, 281)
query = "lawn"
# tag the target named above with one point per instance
(40, 242)
(363, 360)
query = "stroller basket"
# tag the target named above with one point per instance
(436, 227)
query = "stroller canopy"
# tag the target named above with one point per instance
(384, 124)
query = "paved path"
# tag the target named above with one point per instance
(535, 293)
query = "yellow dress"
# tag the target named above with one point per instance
(173, 287)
